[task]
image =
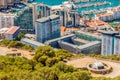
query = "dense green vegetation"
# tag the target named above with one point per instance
(113, 57)
(47, 64)
(21, 35)
(16, 44)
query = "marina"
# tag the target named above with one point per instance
(94, 5)
(84, 6)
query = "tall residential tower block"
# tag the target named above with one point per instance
(108, 42)
(47, 28)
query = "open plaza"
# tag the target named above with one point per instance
(82, 62)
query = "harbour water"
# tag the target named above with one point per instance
(111, 3)
(57, 2)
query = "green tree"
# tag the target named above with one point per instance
(65, 68)
(51, 61)
(67, 76)
(5, 42)
(43, 59)
(21, 35)
(44, 50)
(82, 75)
(101, 78)
(63, 54)
(15, 44)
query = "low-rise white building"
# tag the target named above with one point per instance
(2, 32)
(12, 33)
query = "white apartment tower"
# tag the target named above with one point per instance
(108, 39)
(117, 45)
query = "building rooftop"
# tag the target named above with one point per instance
(104, 15)
(110, 32)
(3, 30)
(89, 44)
(96, 23)
(32, 42)
(57, 39)
(117, 36)
(12, 30)
(45, 19)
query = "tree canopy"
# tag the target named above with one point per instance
(47, 64)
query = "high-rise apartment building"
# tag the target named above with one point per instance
(108, 40)
(47, 28)
(4, 3)
(68, 14)
(6, 20)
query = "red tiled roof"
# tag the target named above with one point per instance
(94, 23)
(62, 28)
(12, 30)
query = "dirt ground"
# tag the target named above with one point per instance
(82, 62)
(25, 53)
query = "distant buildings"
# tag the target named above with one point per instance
(112, 14)
(68, 13)
(4, 3)
(80, 42)
(47, 28)
(12, 33)
(6, 20)
(110, 43)
(96, 24)
(40, 10)
(18, 14)
(2, 32)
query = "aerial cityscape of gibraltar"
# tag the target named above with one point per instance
(59, 39)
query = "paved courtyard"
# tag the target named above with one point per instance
(82, 62)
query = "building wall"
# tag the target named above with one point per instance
(9, 36)
(44, 11)
(114, 16)
(48, 30)
(15, 35)
(3, 3)
(6, 21)
(107, 45)
(12, 36)
(117, 46)
(92, 47)
(55, 28)
(95, 48)
(25, 19)
(35, 44)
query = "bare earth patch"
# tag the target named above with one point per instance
(25, 53)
